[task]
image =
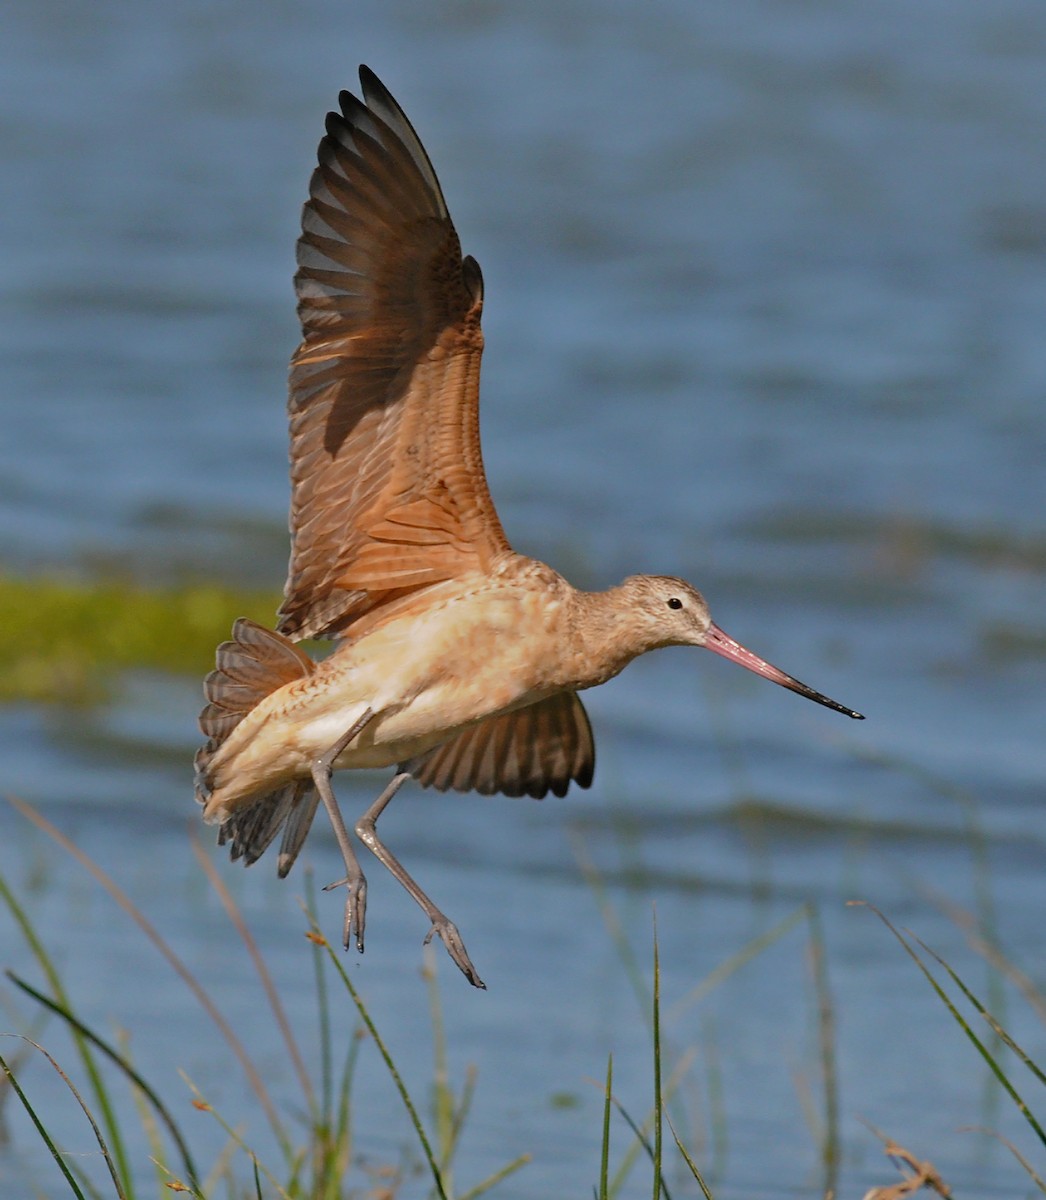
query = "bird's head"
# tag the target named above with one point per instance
(670, 612)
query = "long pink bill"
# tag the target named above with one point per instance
(720, 643)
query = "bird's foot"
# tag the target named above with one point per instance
(448, 931)
(355, 909)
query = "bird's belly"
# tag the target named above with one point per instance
(424, 678)
(433, 676)
(387, 739)
(433, 716)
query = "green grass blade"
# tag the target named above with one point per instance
(203, 1105)
(343, 1122)
(271, 994)
(604, 1158)
(995, 1026)
(317, 937)
(996, 1070)
(464, 1107)
(717, 1118)
(323, 1009)
(94, 1077)
(120, 1192)
(989, 950)
(40, 1129)
(613, 925)
(642, 1142)
(175, 1185)
(153, 935)
(121, 1062)
(736, 961)
(826, 1041)
(497, 1177)
(148, 1121)
(689, 1161)
(658, 1101)
(443, 1096)
(969, 805)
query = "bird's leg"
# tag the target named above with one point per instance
(447, 930)
(355, 880)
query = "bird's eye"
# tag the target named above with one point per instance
(674, 602)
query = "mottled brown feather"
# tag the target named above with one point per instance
(388, 490)
(247, 669)
(529, 752)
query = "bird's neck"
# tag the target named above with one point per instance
(604, 635)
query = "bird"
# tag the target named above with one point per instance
(456, 660)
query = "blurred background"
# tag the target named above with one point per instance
(765, 294)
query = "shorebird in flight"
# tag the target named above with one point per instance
(457, 660)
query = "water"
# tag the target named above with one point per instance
(765, 290)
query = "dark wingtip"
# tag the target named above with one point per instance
(372, 86)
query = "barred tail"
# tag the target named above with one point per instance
(250, 667)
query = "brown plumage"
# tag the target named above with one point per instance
(389, 494)
(457, 659)
(529, 752)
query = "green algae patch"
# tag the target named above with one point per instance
(66, 640)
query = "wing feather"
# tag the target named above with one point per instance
(527, 752)
(388, 489)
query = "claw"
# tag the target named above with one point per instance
(355, 910)
(448, 932)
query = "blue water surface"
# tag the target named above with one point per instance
(766, 291)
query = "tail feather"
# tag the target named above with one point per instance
(247, 669)
(298, 824)
(253, 665)
(251, 831)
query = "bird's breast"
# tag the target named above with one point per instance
(430, 673)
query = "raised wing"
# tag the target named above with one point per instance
(388, 490)
(528, 752)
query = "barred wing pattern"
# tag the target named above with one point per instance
(529, 752)
(388, 490)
